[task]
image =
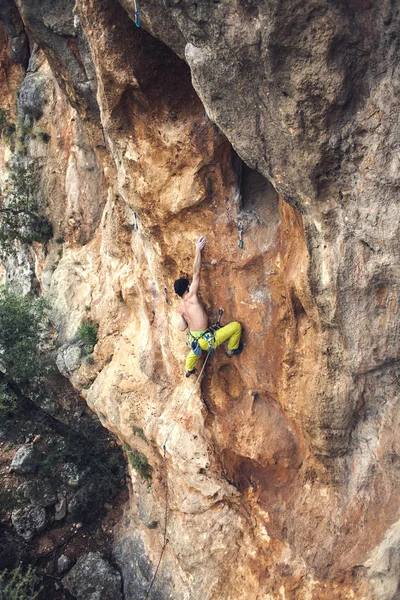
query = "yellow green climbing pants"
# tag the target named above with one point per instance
(230, 332)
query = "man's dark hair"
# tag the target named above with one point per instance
(181, 285)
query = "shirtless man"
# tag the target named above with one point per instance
(193, 315)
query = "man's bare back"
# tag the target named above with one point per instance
(193, 312)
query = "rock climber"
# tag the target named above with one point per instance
(193, 315)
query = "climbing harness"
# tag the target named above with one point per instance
(136, 14)
(193, 342)
(209, 335)
(166, 511)
(240, 229)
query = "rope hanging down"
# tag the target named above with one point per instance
(165, 539)
(136, 14)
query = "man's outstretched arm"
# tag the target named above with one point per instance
(194, 286)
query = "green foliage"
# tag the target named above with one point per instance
(87, 333)
(19, 584)
(140, 433)
(60, 252)
(19, 212)
(22, 326)
(140, 463)
(44, 136)
(8, 402)
(59, 240)
(7, 127)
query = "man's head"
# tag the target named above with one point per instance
(181, 286)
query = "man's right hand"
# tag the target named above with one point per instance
(201, 242)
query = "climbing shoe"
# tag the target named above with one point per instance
(235, 352)
(189, 373)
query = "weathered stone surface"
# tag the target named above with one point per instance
(38, 491)
(69, 357)
(70, 474)
(60, 508)
(93, 578)
(29, 521)
(282, 469)
(26, 460)
(17, 38)
(34, 92)
(54, 27)
(84, 504)
(63, 563)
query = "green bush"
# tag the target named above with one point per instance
(8, 402)
(140, 463)
(19, 212)
(87, 333)
(22, 325)
(140, 433)
(44, 136)
(19, 584)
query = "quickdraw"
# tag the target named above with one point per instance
(136, 14)
(240, 229)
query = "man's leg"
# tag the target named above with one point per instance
(191, 361)
(231, 332)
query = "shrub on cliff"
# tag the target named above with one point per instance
(19, 584)
(21, 331)
(19, 212)
(8, 402)
(87, 333)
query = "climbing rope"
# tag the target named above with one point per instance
(165, 539)
(136, 14)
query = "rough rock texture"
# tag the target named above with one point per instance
(282, 469)
(39, 492)
(93, 578)
(29, 521)
(26, 460)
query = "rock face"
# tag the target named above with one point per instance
(26, 460)
(93, 578)
(281, 469)
(29, 521)
(38, 491)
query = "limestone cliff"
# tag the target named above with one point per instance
(282, 469)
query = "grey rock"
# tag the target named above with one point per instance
(38, 491)
(63, 563)
(70, 474)
(29, 521)
(69, 358)
(54, 27)
(60, 508)
(85, 503)
(20, 272)
(34, 94)
(26, 460)
(18, 41)
(93, 578)
(137, 569)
